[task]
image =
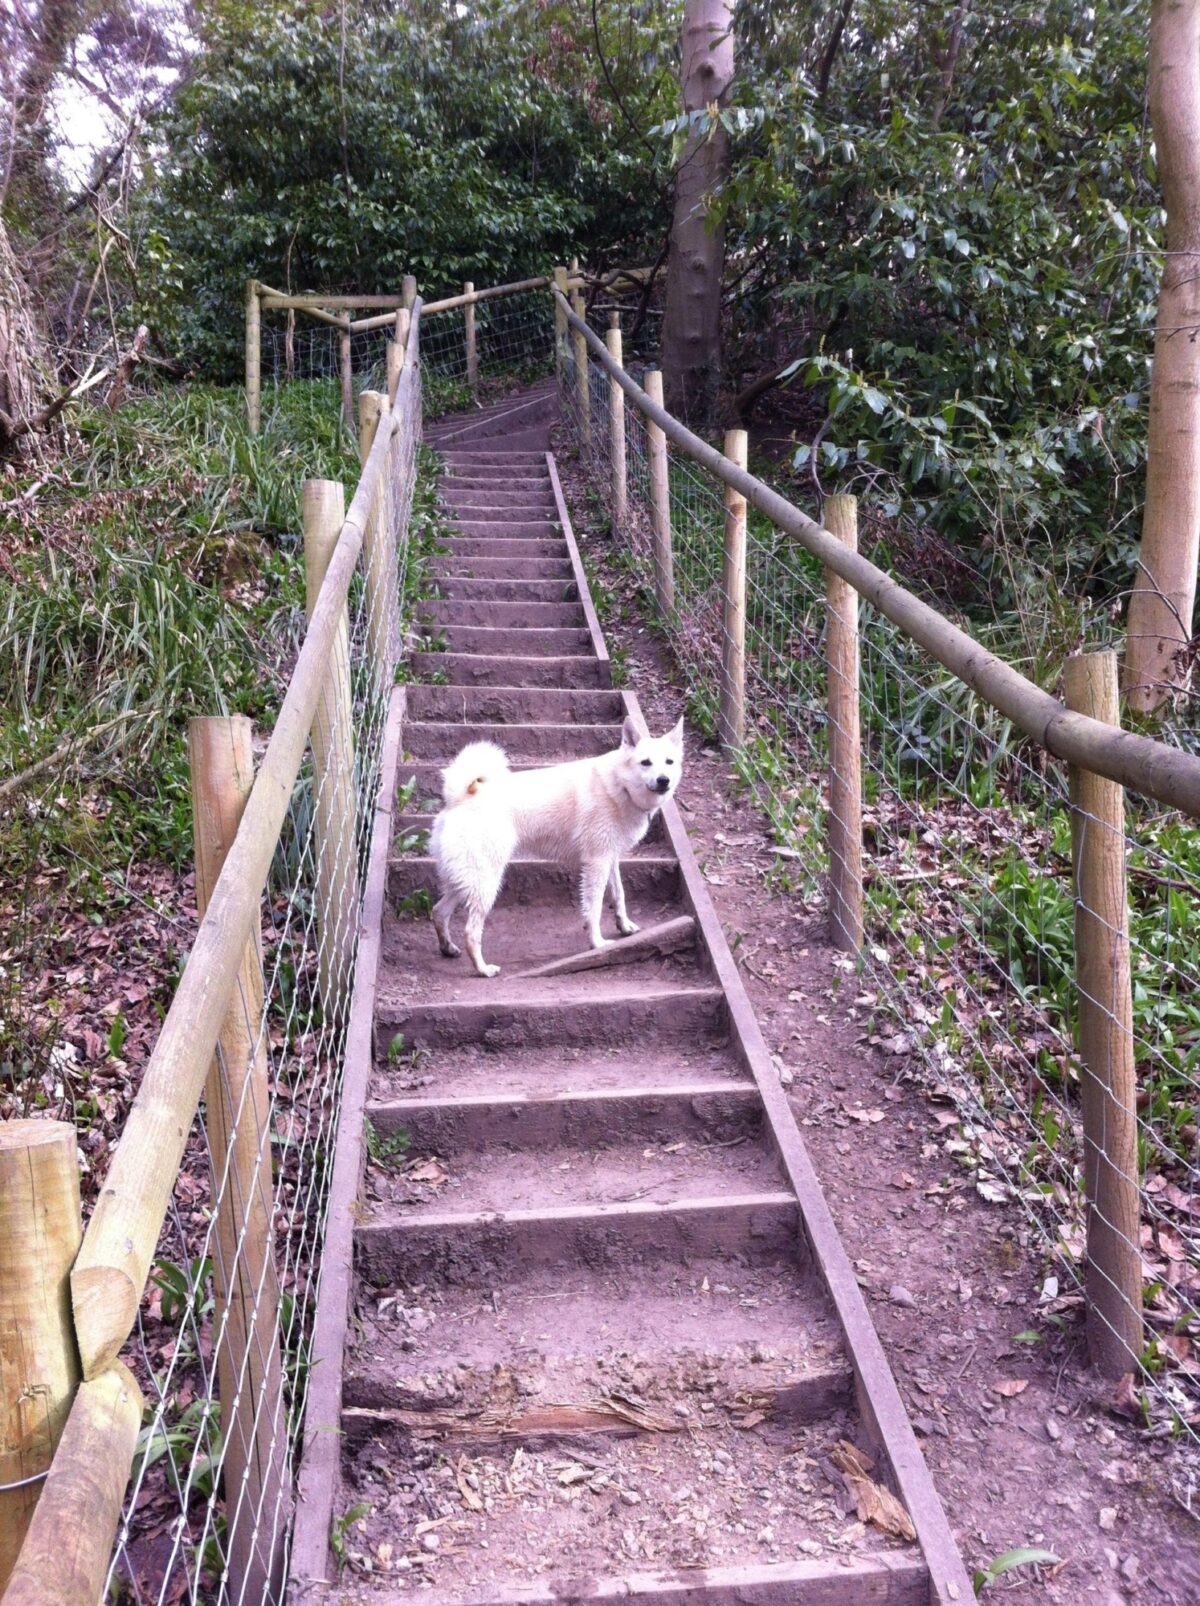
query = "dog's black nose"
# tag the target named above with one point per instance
(663, 782)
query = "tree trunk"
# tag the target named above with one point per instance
(1164, 594)
(691, 336)
(26, 373)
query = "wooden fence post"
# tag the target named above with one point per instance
(845, 738)
(583, 389)
(561, 282)
(660, 502)
(345, 364)
(1109, 1074)
(395, 352)
(66, 1552)
(731, 720)
(334, 804)
(408, 292)
(237, 1122)
(379, 556)
(289, 344)
(616, 426)
(469, 338)
(40, 1233)
(253, 357)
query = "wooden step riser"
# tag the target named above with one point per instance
(664, 1115)
(483, 1249)
(884, 1580)
(528, 882)
(504, 1026)
(573, 1424)
(469, 459)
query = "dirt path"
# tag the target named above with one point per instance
(1020, 1438)
(606, 1340)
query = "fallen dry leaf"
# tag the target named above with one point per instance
(1011, 1387)
(872, 1501)
(470, 1497)
(429, 1171)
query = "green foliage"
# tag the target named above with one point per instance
(381, 1148)
(1025, 1556)
(450, 142)
(964, 289)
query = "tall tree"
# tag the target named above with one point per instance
(1160, 611)
(691, 336)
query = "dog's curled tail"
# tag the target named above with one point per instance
(473, 768)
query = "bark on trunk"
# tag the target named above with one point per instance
(26, 374)
(1164, 594)
(691, 337)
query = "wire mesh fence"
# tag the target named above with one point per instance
(221, 1331)
(221, 1341)
(976, 905)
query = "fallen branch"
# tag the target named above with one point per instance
(667, 938)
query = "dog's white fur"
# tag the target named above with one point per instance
(587, 812)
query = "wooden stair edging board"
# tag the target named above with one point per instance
(886, 1579)
(881, 1408)
(320, 1450)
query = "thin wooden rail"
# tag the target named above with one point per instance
(1152, 768)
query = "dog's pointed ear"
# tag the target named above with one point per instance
(675, 734)
(631, 732)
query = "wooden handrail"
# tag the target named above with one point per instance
(118, 1246)
(1150, 767)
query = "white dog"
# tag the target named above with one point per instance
(587, 812)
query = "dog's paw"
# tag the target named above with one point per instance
(450, 950)
(628, 927)
(488, 971)
(597, 941)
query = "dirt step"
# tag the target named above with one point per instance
(507, 1016)
(483, 510)
(688, 1339)
(396, 1244)
(517, 420)
(521, 460)
(505, 641)
(455, 481)
(494, 588)
(469, 669)
(505, 550)
(458, 566)
(522, 438)
(514, 705)
(602, 1170)
(696, 1112)
(528, 502)
(505, 615)
(549, 743)
(539, 881)
(507, 529)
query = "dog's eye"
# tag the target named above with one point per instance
(670, 761)
(645, 763)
